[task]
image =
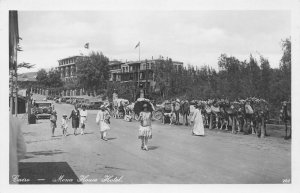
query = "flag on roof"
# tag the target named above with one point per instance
(87, 45)
(137, 45)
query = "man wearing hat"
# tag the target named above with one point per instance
(249, 117)
(102, 120)
(177, 109)
(197, 121)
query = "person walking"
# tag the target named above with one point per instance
(53, 119)
(177, 110)
(145, 130)
(102, 120)
(75, 115)
(197, 122)
(64, 125)
(83, 119)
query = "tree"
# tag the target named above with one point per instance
(231, 69)
(285, 67)
(42, 77)
(92, 72)
(54, 80)
(254, 77)
(25, 65)
(162, 76)
(265, 82)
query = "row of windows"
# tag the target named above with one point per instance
(67, 61)
(129, 77)
(143, 66)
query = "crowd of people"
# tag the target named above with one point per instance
(218, 113)
(79, 118)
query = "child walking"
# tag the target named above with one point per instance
(64, 124)
(53, 119)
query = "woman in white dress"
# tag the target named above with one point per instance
(83, 119)
(197, 122)
(145, 130)
(102, 120)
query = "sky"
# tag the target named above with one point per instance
(193, 37)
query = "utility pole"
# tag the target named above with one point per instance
(146, 79)
(11, 91)
(14, 48)
(16, 85)
(28, 97)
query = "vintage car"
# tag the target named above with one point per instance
(95, 104)
(92, 104)
(69, 101)
(42, 109)
(64, 99)
(80, 101)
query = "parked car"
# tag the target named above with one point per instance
(42, 109)
(69, 101)
(58, 100)
(79, 102)
(50, 97)
(95, 104)
(64, 99)
(91, 104)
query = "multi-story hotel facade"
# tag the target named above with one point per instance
(68, 74)
(141, 72)
(68, 69)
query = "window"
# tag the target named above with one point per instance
(147, 66)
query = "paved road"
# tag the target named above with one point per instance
(175, 156)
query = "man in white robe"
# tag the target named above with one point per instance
(197, 122)
(102, 120)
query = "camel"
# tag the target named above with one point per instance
(185, 111)
(285, 115)
(261, 113)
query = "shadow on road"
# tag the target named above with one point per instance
(44, 153)
(153, 147)
(53, 138)
(29, 133)
(116, 168)
(88, 133)
(111, 138)
(47, 173)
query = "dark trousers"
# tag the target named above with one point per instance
(177, 117)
